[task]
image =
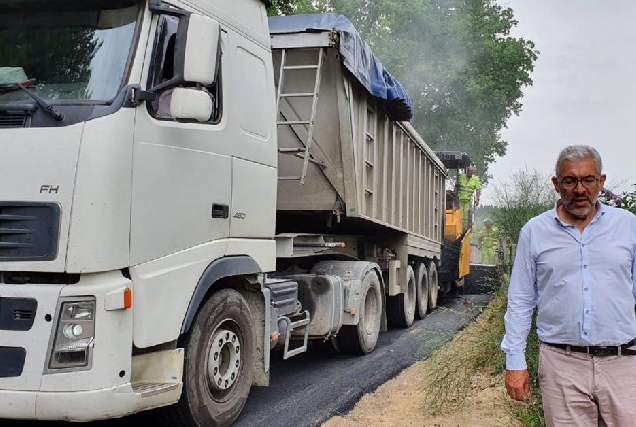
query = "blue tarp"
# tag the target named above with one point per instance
(357, 58)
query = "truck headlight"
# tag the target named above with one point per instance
(74, 335)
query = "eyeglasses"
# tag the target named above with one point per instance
(570, 182)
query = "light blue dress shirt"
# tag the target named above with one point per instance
(583, 284)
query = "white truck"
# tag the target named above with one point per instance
(182, 192)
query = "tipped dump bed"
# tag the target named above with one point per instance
(363, 168)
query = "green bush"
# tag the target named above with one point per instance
(527, 195)
(626, 200)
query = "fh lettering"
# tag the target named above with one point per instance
(50, 189)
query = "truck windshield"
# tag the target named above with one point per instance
(65, 51)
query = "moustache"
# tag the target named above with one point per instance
(576, 200)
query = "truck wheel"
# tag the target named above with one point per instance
(362, 338)
(401, 308)
(433, 281)
(219, 362)
(421, 281)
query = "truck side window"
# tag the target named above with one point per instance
(162, 69)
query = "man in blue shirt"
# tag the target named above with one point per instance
(577, 265)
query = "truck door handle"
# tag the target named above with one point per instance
(220, 211)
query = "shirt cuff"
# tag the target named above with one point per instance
(516, 362)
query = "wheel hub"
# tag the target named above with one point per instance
(224, 359)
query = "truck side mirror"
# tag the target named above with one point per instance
(198, 49)
(190, 104)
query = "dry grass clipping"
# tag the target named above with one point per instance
(449, 378)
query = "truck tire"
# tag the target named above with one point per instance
(362, 338)
(400, 309)
(422, 287)
(433, 282)
(219, 363)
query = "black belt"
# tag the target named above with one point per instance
(599, 350)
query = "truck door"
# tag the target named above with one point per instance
(181, 169)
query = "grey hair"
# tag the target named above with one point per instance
(579, 152)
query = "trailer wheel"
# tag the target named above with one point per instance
(362, 338)
(401, 308)
(433, 281)
(421, 280)
(219, 363)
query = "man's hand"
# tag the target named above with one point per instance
(518, 384)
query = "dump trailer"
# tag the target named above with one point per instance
(456, 251)
(347, 168)
(183, 193)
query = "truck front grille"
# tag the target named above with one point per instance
(17, 314)
(29, 232)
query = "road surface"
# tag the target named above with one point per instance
(312, 387)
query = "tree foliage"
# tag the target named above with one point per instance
(296, 7)
(456, 58)
(525, 196)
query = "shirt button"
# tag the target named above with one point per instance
(585, 266)
(587, 311)
(584, 333)
(585, 289)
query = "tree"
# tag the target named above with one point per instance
(295, 7)
(528, 194)
(457, 60)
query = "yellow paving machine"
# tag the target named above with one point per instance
(455, 260)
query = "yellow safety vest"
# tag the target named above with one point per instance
(468, 187)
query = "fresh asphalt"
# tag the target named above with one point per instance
(312, 387)
(308, 389)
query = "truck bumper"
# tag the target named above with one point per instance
(114, 384)
(68, 406)
(90, 405)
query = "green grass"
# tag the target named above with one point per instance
(531, 414)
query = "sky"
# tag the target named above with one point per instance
(584, 89)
